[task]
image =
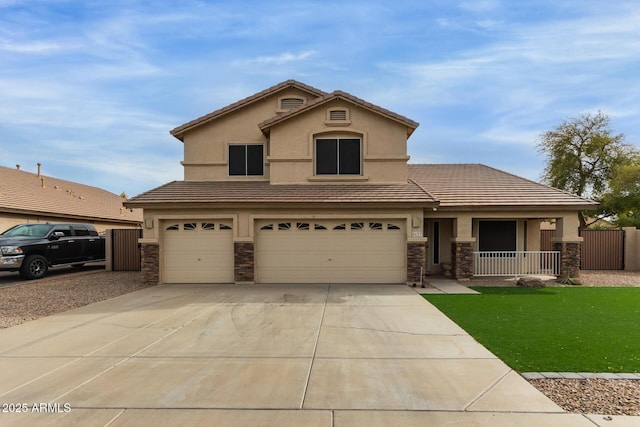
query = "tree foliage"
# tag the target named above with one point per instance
(586, 158)
(622, 201)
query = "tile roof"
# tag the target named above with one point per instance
(476, 185)
(264, 192)
(338, 94)
(453, 186)
(23, 192)
(180, 130)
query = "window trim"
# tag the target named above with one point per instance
(246, 161)
(338, 138)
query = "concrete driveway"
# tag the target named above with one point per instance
(281, 355)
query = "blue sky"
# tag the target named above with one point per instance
(91, 88)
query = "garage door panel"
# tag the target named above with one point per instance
(201, 254)
(321, 255)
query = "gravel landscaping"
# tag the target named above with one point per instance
(587, 278)
(31, 300)
(593, 396)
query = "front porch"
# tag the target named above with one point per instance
(465, 245)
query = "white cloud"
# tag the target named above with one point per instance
(37, 47)
(283, 58)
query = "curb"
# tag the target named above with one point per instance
(578, 376)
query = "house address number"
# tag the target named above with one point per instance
(416, 234)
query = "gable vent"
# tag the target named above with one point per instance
(338, 115)
(289, 103)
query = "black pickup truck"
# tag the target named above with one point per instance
(32, 248)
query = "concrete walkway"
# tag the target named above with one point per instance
(312, 355)
(443, 285)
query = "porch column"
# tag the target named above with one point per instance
(150, 261)
(462, 247)
(416, 256)
(243, 262)
(569, 244)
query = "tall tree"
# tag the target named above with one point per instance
(623, 199)
(583, 155)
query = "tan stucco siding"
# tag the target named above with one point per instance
(243, 219)
(205, 147)
(384, 148)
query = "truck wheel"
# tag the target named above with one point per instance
(34, 267)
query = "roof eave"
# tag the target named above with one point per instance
(519, 208)
(267, 124)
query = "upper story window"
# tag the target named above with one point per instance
(338, 156)
(246, 160)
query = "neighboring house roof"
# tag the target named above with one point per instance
(338, 94)
(26, 192)
(476, 186)
(180, 130)
(263, 192)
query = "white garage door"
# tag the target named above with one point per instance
(197, 251)
(317, 251)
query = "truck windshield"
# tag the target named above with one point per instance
(30, 230)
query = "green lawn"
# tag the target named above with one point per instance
(564, 329)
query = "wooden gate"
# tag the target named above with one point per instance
(125, 251)
(602, 250)
(545, 239)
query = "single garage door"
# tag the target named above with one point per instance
(197, 252)
(331, 251)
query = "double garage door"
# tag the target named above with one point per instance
(289, 251)
(330, 251)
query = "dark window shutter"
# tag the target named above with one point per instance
(349, 157)
(326, 158)
(255, 160)
(237, 160)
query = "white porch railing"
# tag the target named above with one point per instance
(516, 263)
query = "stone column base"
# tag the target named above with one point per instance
(570, 254)
(243, 262)
(416, 255)
(150, 263)
(462, 260)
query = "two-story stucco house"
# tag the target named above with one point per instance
(296, 185)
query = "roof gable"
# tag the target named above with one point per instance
(182, 129)
(338, 94)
